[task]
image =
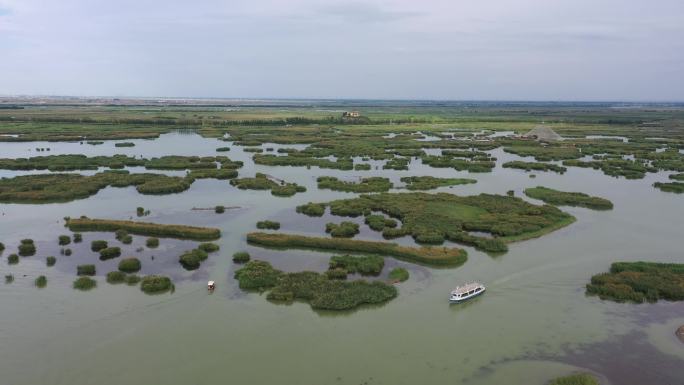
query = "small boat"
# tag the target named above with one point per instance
(211, 286)
(466, 292)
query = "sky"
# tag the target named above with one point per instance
(618, 50)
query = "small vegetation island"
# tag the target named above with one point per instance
(129, 265)
(639, 282)
(156, 284)
(27, 248)
(317, 289)
(561, 198)
(364, 185)
(47, 188)
(12, 259)
(71, 162)
(535, 166)
(342, 230)
(430, 182)
(268, 225)
(84, 283)
(241, 257)
(398, 274)
(143, 228)
(431, 256)
(191, 260)
(364, 265)
(378, 222)
(41, 282)
(674, 187)
(575, 379)
(434, 218)
(312, 209)
(264, 182)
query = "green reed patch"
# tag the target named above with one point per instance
(639, 282)
(263, 182)
(575, 379)
(109, 253)
(27, 248)
(364, 265)
(85, 270)
(379, 222)
(673, 187)
(364, 185)
(129, 265)
(535, 166)
(84, 283)
(219, 173)
(132, 279)
(397, 163)
(312, 209)
(545, 153)
(44, 188)
(562, 198)
(342, 230)
(241, 257)
(298, 160)
(40, 282)
(630, 169)
(314, 288)
(115, 277)
(208, 247)
(430, 182)
(268, 225)
(144, 228)
(458, 164)
(12, 259)
(398, 274)
(50, 261)
(98, 245)
(152, 242)
(435, 256)
(191, 260)
(156, 284)
(432, 218)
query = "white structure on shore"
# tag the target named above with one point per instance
(544, 134)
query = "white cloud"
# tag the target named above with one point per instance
(447, 49)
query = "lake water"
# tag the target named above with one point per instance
(534, 322)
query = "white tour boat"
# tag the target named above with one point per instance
(466, 292)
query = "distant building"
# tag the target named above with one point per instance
(351, 114)
(544, 134)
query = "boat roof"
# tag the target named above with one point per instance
(210, 283)
(466, 288)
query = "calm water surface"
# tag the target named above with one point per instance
(534, 322)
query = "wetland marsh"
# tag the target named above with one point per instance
(432, 206)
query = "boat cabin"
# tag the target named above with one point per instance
(465, 292)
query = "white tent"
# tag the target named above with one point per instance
(543, 133)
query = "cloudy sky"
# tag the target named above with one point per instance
(400, 49)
